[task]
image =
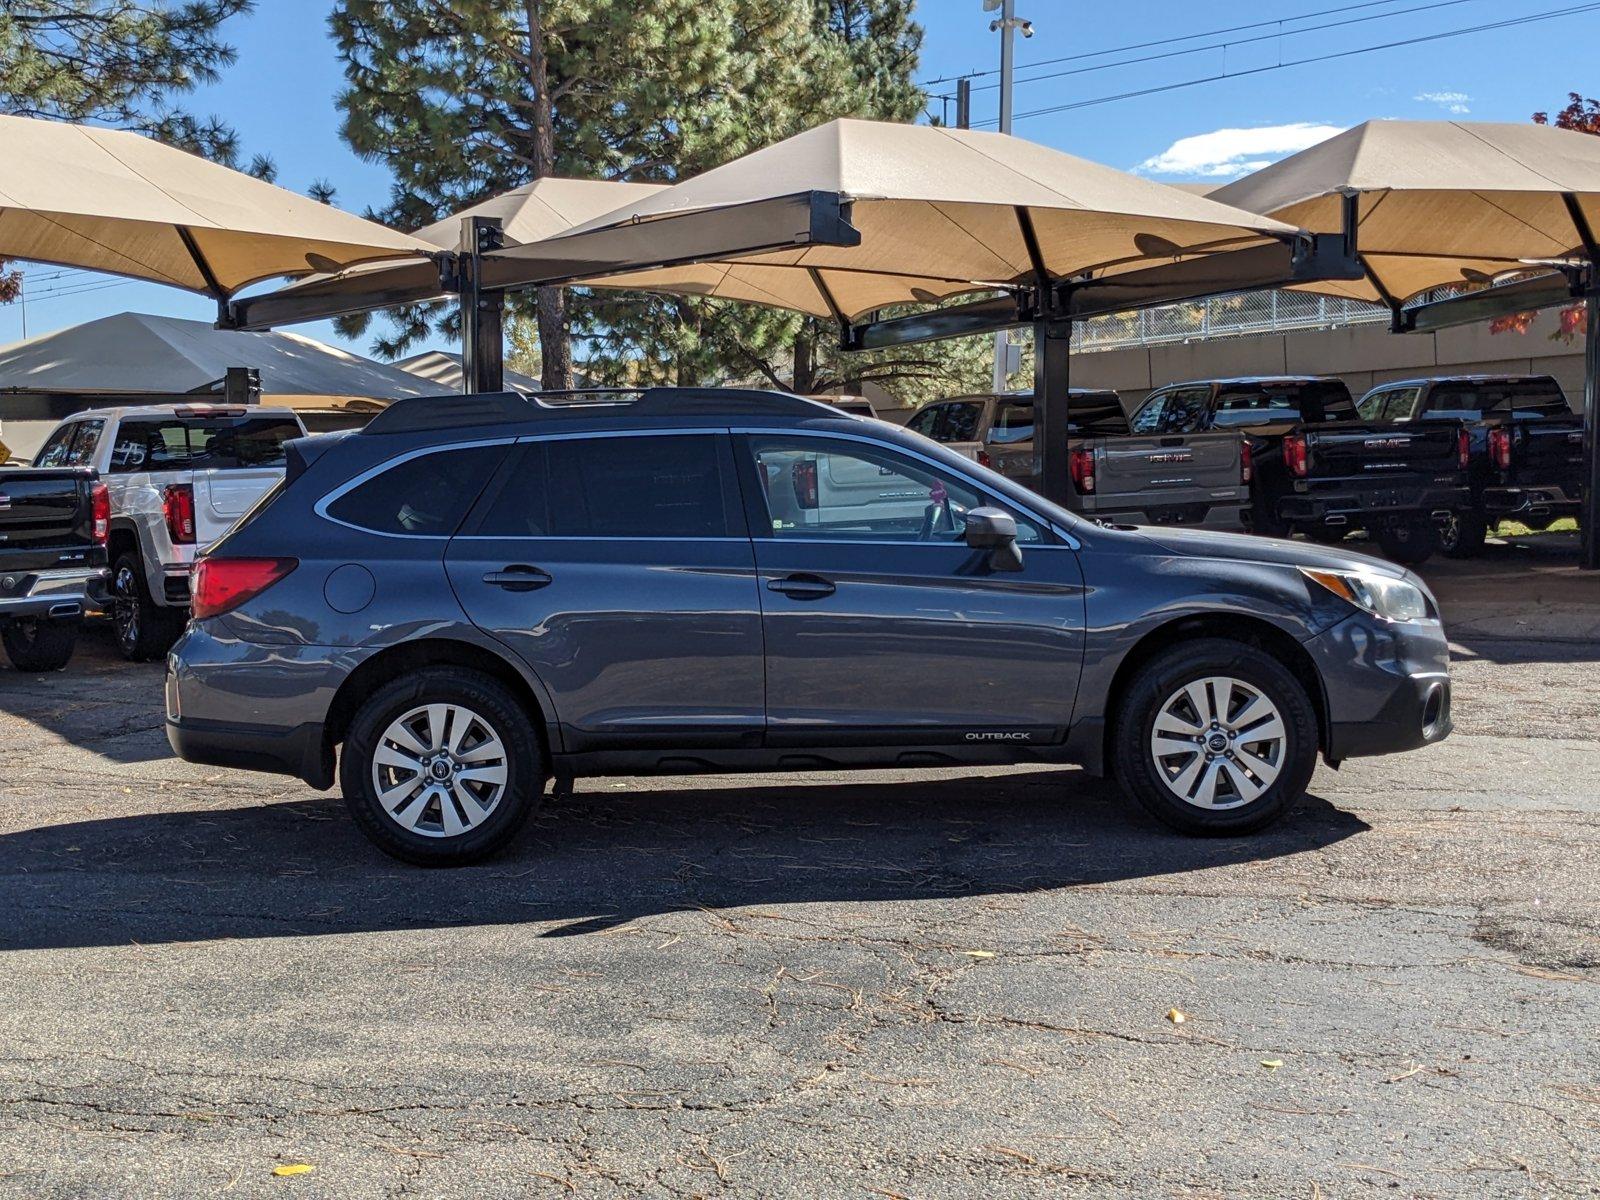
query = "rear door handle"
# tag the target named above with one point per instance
(519, 577)
(802, 587)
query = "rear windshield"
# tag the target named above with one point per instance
(201, 443)
(1540, 397)
(1289, 403)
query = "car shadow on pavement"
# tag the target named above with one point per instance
(605, 857)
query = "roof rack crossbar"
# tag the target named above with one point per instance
(424, 413)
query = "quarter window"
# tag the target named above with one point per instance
(675, 486)
(425, 496)
(818, 488)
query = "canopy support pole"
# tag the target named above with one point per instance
(1052, 381)
(482, 308)
(1589, 517)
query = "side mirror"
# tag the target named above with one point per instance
(996, 531)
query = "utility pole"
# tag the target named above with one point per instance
(1006, 25)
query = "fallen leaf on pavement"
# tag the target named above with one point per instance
(1176, 1016)
(293, 1169)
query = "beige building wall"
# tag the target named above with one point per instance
(1363, 355)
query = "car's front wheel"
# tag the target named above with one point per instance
(1214, 736)
(442, 767)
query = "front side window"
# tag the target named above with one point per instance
(926, 422)
(676, 486)
(849, 491)
(426, 496)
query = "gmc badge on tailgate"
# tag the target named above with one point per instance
(1170, 456)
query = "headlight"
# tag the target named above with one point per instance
(1380, 595)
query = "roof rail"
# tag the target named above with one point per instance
(423, 413)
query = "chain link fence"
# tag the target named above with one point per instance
(1233, 315)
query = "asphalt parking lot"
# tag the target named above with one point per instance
(893, 985)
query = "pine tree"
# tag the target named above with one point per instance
(118, 63)
(448, 95)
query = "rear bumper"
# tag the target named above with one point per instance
(54, 595)
(299, 751)
(1386, 686)
(1360, 508)
(1531, 501)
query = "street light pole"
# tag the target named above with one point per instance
(1006, 24)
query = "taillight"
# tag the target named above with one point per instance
(1296, 456)
(1500, 448)
(177, 506)
(100, 513)
(1080, 464)
(1463, 448)
(984, 460)
(222, 584)
(1246, 462)
(805, 483)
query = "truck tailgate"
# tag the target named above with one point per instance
(1346, 450)
(1166, 468)
(1548, 451)
(45, 517)
(221, 497)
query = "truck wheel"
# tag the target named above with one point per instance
(1409, 545)
(442, 767)
(1215, 736)
(144, 629)
(1462, 535)
(1327, 535)
(1265, 522)
(39, 645)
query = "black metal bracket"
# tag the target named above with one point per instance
(1560, 286)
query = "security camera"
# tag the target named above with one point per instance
(994, 26)
(1027, 29)
(991, 5)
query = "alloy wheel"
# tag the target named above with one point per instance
(439, 770)
(125, 606)
(1218, 743)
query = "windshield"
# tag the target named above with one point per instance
(201, 443)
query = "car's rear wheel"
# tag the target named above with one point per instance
(144, 629)
(1409, 544)
(442, 767)
(1214, 736)
(1463, 534)
(39, 645)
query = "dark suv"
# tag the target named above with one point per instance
(474, 594)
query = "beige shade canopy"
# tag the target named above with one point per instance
(938, 213)
(112, 201)
(1440, 202)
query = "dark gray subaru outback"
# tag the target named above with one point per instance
(476, 593)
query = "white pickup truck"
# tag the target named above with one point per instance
(179, 476)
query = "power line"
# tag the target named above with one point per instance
(1225, 46)
(1171, 41)
(1300, 62)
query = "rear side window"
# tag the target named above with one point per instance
(926, 422)
(673, 486)
(1012, 423)
(201, 443)
(426, 496)
(72, 445)
(961, 422)
(1186, 409)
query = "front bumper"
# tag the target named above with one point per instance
(1386, 685)
(54, 595)
(1361, 508)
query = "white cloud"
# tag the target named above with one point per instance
(1451, 102)
(1224, 153)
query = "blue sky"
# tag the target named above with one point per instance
(280, 94)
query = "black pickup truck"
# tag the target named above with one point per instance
(1526, 447)
(54, 527)
(1316, 468)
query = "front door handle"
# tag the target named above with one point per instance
(519, 577)
(802, 587)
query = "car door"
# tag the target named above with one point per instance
(619, 568)
(883, 626)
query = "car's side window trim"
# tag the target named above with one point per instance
(746, 466)
(349, 485)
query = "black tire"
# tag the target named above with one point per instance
(1265, 522)
(39, 645)
(1151, 689)
(1463, 534)
(1409, 545)
(499, 712)
(144, 629)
